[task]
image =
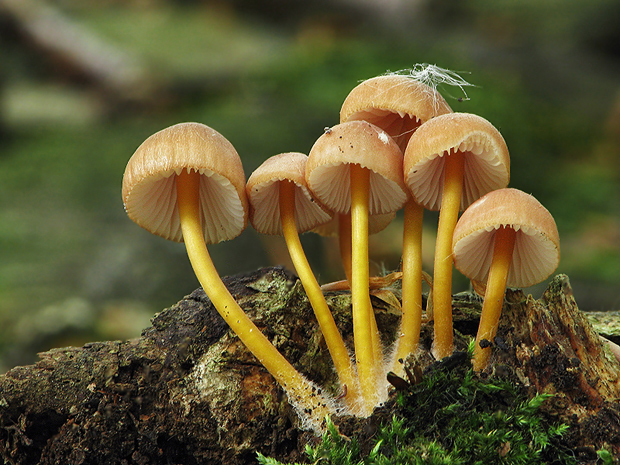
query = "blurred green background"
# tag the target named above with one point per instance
(82, 84)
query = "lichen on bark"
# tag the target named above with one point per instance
(187, 391)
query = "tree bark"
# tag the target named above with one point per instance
(188, 392)
(551, 347)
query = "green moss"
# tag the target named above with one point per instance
(454, 417)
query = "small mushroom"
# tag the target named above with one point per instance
(450, 161)
(399, 105)
(281, 204)
(186, 183)
(356, 168)
(395, 103)
(505, 238)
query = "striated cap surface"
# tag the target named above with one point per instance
(362, 143)
(487, 162)
(395, 103)
(264, 194)
(149, 185)
(537, 245)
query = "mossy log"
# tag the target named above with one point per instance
(187, 392)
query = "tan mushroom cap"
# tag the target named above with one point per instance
(149, 185)
(537, 244)
(397, 104)
(264, 193)
(362, 143)
(487, 162)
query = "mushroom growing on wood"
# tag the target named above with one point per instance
(356, 168)
(281, 204)
(450, 161)
(505, 238)
(399, 105)
(186, 183)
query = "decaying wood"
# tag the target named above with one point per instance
(188, 392)
(554, 349)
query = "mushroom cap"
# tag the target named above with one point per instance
(149, 184)
(397, 104)
(362, 143)
(487, 163)
(537, 244)
(264, 194)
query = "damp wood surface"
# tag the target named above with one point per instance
(188, 392)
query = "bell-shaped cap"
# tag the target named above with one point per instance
(487, 163)
(536, 251)
(362, 143)
(149, 182)
(264, 195)
(395, 103)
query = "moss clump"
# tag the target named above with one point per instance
(454, 417)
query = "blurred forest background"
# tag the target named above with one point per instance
(82, 84)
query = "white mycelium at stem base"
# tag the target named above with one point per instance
(367, 348)
(356, 168)
(299, 390)
(399, 104)
(450, 161)
(505, 238)
(333, 339)
(186, 183)
(281, 204)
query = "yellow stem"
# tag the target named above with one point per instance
(345, 238)
(333, 339)
(442, 280)
(299, 390)
(364, 322)
(411, 285)
(494, 294)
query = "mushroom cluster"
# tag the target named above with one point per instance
(398, 145)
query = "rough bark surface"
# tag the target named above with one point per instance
(187, 392)
(551, 347)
